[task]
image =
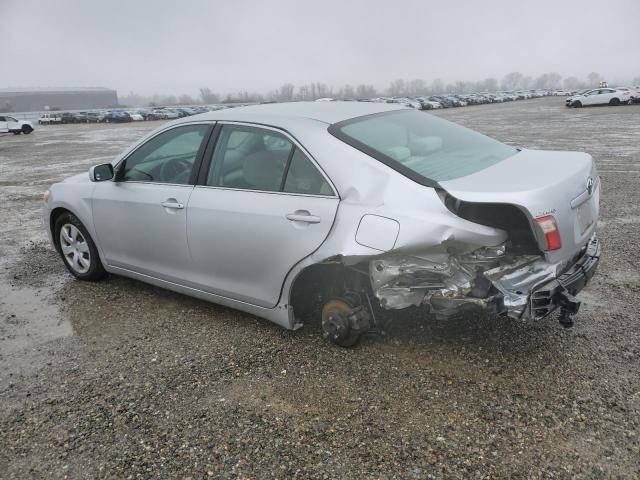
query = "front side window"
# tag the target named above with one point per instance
(253, 158)
(422, 147)
(166, 158)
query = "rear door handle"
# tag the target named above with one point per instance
(303, 217)
(172, 204)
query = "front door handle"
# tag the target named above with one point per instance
(172, 203)
(303, 216)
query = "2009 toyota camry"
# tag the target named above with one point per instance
(337, 208)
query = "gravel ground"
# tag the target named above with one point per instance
(121, 379)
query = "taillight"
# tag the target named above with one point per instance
(551, 233)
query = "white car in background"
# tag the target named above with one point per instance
(434, 105)
(599, 96)
(13, 125)
(135, 116)
(49, 118)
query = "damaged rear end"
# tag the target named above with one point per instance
(545, 205)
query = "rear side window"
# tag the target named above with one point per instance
(253, 158)
(304, 177)
(422, 147)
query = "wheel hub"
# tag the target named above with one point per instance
(343, 323)
(75, 248)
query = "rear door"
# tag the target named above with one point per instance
(260, 206)
(140, 218)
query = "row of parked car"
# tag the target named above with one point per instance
(122, 116)
(598, 96)
(462, 100)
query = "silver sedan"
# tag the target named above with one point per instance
(336, 211)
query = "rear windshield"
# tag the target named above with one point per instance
(421, 146)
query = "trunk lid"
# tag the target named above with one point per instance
(540, 183)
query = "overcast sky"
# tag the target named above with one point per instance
(173, 47)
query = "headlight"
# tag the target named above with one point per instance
(45, 196)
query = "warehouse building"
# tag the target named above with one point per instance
(38, 99)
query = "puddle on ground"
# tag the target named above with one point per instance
(29, 317)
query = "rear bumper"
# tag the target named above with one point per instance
(559, 292)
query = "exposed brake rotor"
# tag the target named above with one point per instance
(343, 322)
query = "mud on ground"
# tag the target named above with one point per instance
(121, 379)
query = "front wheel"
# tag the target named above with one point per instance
(577, 104)
(26, 129)
(77, 249)
(614, 102)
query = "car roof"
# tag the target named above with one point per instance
(283, 113)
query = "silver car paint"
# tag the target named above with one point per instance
(365, 187)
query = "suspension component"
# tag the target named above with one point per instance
(344, 320)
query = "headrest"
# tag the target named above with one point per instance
(425, 145)
(263, 170)
(397, 153)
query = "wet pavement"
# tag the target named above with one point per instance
(118, 378)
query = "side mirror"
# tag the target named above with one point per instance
(101, 173)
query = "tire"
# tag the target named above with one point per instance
(614, 102)
(26, 129)
(77, 249)
(577, 104)
(16, 132)
(39, 122)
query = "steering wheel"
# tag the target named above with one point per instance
(171, 170)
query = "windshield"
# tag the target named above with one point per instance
(423, 147)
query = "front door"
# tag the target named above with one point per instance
(12, 124)
(3, 124)
(263, 207)
(140, 217)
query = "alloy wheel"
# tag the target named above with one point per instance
(75, 248)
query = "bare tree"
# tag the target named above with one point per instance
(437, 86)
(512, 81)
(554, 80)
(397, 87)
(347, 92)
(365, 91)
(572, 83)
(207, 96)
(285, 93)
(304, 93)
(489, 85)
(186, 100)
(594, 79)
(323, 90)
(416, 87)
